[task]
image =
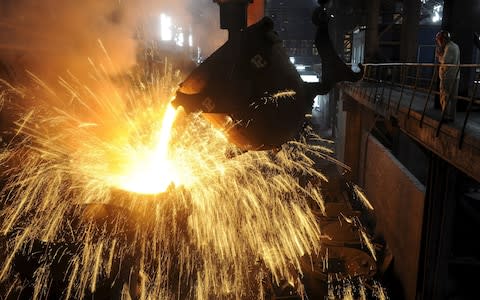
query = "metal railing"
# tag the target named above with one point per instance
(410, 80)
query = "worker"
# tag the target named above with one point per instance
(448, 54)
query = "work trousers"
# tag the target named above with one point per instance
(448, 96)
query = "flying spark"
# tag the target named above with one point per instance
(120, 193)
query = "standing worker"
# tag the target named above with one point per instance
(448, 54)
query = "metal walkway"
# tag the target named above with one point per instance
(406, 92)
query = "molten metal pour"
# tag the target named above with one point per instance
(230, 223)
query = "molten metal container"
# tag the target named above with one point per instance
(250, 87)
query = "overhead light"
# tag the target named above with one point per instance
(180, 39)
(437, 9)
(310, 78)
(300, 67)
(165, 27)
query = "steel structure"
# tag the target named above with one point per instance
(381, 81)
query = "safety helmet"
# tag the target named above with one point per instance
(443, 35)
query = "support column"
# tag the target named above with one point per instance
(409, 33)
(371, 40)
(438, 222)
(353, 136)
(388, 9)
(256, 11)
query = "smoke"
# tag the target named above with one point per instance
(51, 37)
(54, 40)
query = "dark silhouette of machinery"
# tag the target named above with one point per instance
(250, 87)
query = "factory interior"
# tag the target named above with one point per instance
(239, 149)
